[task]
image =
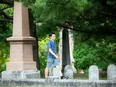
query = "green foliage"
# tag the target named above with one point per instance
(84, 15)
(100, 51)
(28, 3)
(4, 56)
(51, 13)
(84, 56)
(43, 52)
(5, 31)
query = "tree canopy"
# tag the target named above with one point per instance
(89, 16)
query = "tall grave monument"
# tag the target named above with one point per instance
(65, 48)
(21, 64)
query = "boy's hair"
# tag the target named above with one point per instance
(51, 34)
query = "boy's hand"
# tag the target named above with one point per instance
(58, 56)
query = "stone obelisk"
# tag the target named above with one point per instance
(21, 52)
(65, 48)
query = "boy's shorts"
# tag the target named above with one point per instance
(51, 61)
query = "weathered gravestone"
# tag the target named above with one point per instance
(93, 73)
(68, 71)
(55, 71)
(51, 71)
(111, 72)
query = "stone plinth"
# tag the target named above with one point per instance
(26, 74)
(21, 63)
(21, 54)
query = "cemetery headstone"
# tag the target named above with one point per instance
(68, 71)
(93, 73)
(111, 72)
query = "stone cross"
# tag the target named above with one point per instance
(111, 72)
(93, 73)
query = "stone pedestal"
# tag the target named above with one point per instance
(21, 51)
(26, 74)
(21, 54)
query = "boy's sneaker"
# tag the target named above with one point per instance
(63, 77)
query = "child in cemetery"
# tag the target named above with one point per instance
(52, 57)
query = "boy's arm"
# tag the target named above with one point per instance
(53, 53)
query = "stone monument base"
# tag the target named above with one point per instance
(25, 74)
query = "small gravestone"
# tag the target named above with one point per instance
(56, 71)
(51, 71)
(111, 72)
(93, 73)
(68, 71)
